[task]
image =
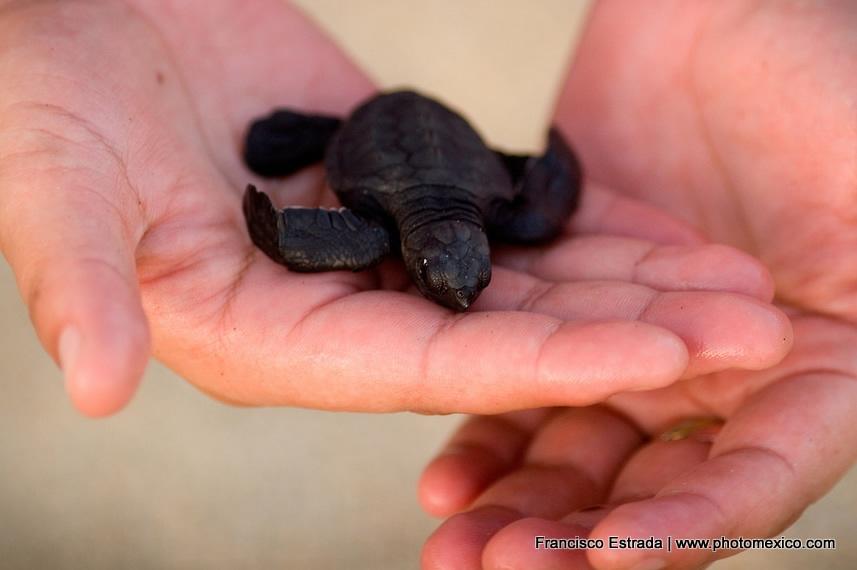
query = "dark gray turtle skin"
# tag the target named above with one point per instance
(411, 175)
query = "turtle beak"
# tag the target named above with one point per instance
(464, 297)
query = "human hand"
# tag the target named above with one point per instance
(120, 133)
(740, 118)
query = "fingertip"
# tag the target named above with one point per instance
(756, 277)
(436, 489)
(88, 313)
(679, 515)
(723, 330)
(618, 356)
(454, 479)
(98, 402)
(605, 211)
(762, 339)
(712, 267)
(100, 397)
(525, 544)
(459, 542)
(102, 373)
(777, 332)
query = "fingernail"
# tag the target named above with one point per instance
(69, 346)
(650, 564)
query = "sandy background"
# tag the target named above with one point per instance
(180, 481)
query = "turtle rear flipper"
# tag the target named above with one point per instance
(547, 191)
(314, 239)
(284, 142)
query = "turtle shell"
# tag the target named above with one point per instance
(401, 140)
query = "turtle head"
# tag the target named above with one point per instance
(449, 261)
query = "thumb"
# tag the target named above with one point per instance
(69, 234)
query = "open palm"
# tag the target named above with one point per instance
(120, 141)
(740, 118)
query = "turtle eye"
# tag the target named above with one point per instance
(432, 277)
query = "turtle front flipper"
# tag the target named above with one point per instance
(314, 239)
(285, 141)
(547, 191)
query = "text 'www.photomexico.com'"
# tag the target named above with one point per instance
(669, 543)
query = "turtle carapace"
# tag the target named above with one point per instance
(413, 175)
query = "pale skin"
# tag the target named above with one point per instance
(120, 216)
(120, 130)
(741, 118)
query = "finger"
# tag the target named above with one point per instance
(656, 464)
(481, 450)
(721, 330)
(772, 459)
(333, 347)
(517, 545)
(569, 465)
(459, 541)
(666, 268)
(69, 235)
(529, 542)
(604, 211)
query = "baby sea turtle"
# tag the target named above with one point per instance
(411, 174)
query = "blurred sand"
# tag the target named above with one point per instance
(501, 63)
(180, 481)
